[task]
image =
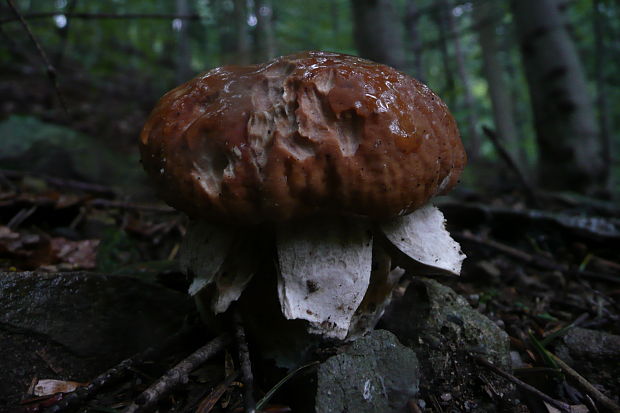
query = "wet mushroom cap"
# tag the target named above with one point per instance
(305, 134)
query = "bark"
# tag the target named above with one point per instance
(448, 91)
(266, 43)
(602, 103)
(412, 18)
(233, 33)
(241, 27)
(570, 156)
(183, 69)
(472, 137)
(376, 36)
(485, 14)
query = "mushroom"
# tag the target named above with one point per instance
(331, 157)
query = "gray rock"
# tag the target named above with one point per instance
(376, 374)
(75, 325)
(443, 330)
(595, 355)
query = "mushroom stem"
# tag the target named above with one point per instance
(325, 266)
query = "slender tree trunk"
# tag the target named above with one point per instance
(449, 89)
(412, 18)
(266, 43)
(472, 139)
(602, 103)
(570, 156)
(183, 70)
(243, 56)
(233, 32)
(485, 14)
(376, 36)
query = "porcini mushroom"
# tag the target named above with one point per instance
(325, 150)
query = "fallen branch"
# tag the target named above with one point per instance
(62, 182)
(116, 373)
(585, 385)
(246, 365)
(503, 153)
(564, 407)
(177, 375)
(535, 260)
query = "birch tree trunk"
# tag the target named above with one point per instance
(376, 36)
(485, 14)
(570, 156)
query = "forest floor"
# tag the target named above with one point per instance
(549, 277)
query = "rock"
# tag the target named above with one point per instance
(75, 325)
(441, 327)
(376, 374)
(33, 146)
(595, 355)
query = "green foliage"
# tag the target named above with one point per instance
(145, 49)
(115, 251)
(30, 145)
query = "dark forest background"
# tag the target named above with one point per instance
(535, 80)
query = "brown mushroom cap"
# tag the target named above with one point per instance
(311, 133)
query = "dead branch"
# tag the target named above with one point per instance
(178, 374)
(95, 16)
(585, 386)
(246, 365)
(535, 260)
(503, 153)
(564, 407)
(117, 372)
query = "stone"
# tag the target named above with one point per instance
(73, 326)
(443, 330)
(375, 374)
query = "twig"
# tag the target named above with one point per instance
(209, 402)
(553, 402)
(503, 153)
(585, 385)
(116, 373)
(536, 260)
(114, 16)
(101, 190)
(246, 365)
(108, 203)
(49, 68)
(178, 374)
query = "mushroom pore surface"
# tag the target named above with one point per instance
(305, 134)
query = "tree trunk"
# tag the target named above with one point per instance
(448, 92)
(183, 69)
(485, 14)
(602, 103)
(412, 18)
(376, 36)
(570, 156)
(241, 26)
(233, 32)
(266, 44)
(472, 138)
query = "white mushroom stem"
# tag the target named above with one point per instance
(324, 271)
(203, 252)
(422, 236)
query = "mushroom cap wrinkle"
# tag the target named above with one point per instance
(313, 133)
